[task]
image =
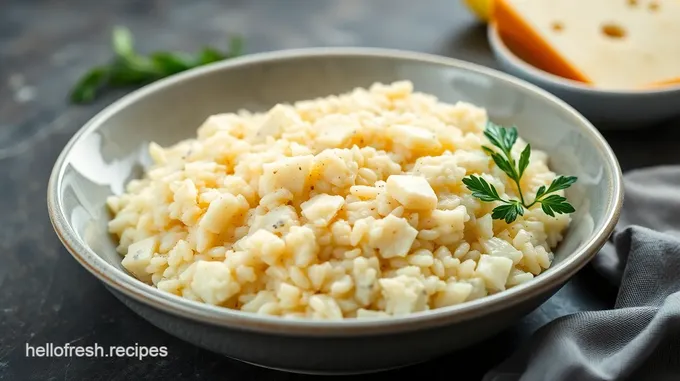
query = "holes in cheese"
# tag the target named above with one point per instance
(557, 26)
(518, 33)
(559, 37)
(614, 31)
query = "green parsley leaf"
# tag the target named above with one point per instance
(124, 75)
(556, 204)
(508, 212)
(540, 192)
(89, 85)
(524, 160)
(504, 165)
(235, 47)
(123, 44)
(495, 134)
(167, 64)
(210, 55)
(481, 189)
(561, 182)
(510, 137)
(501, 137)
(488, 150)
(504, 212)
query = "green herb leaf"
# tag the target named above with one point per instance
(502, 137)
(89, 85)
(481, 189)
(235, 47)
(504, 165)
(501, 212)
(561, 182)
(524, 160)
(547, 210)
(510, 137)
(540, 192)
(488, 150)
(495, 134)
(508, 212)
(122, 74)
(556, 204)
(210, 55)
(130, 69)
(167, 64)
(123, 42)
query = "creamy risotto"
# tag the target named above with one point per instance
(349, 206)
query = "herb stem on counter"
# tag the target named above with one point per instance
(129, 68)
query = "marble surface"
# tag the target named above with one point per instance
(46, 297)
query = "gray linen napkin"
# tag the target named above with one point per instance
(640, 338)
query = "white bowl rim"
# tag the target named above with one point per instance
(500, 47)
(234, 319)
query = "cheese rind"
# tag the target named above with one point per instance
(614, 44)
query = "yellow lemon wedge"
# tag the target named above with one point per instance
(481, 8)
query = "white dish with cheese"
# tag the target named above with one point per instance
(607, 108)
(102, 158)
(349, 206)
(608, 44)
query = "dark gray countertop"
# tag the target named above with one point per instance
(46, 297)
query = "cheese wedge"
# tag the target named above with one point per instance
(616, 44)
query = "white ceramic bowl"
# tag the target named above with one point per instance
(109, 151)
(608, 109)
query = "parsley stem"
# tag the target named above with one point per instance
(515, 175)
(537, 200)
(521, 196)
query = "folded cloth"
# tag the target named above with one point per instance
(640, 338)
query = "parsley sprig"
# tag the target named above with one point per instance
(503, 140)
(131, 69)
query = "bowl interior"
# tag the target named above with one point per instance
(111, 149)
